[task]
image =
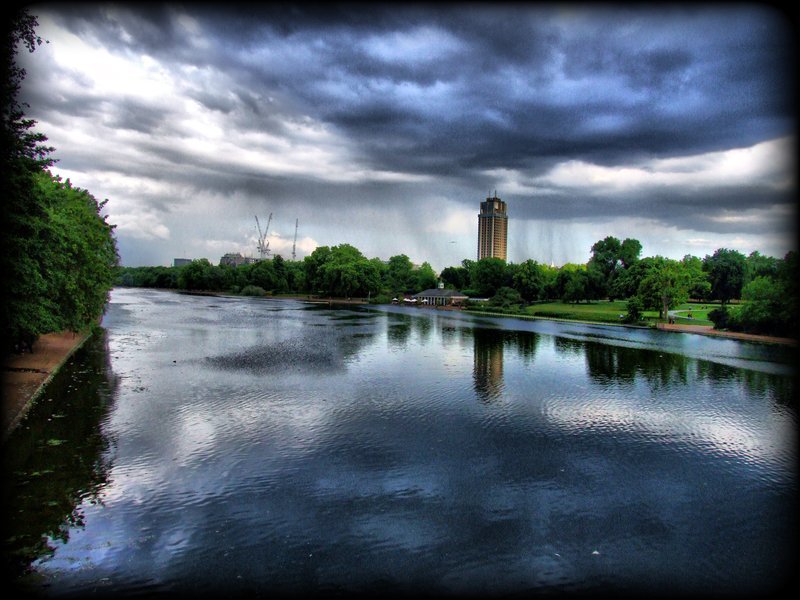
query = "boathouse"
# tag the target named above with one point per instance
(440, 297)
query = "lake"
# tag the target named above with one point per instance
(203, 444)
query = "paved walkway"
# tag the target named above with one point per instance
(25, 375)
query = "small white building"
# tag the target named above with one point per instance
(440, 297)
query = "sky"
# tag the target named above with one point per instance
(385, 126)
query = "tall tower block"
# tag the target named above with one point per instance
(493, 229)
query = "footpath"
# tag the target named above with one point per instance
(26, 375)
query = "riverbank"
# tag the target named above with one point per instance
(709, 330)
(26, 375)
(679, 328)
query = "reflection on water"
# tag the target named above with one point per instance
(55, 462)
(488, 365)
(303, 448)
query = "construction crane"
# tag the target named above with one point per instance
(294, 244)
(263, 242)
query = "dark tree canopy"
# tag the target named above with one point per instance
(726, 272)
(58, 253)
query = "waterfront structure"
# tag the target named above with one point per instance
(493, 229)
(440, 297)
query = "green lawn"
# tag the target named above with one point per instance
(601, 311)
(604, 311)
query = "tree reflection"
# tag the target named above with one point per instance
(57, 458)
(398, 330)
(779, 389)
(606, 363)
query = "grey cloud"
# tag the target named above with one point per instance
(517, 87)
(136, 116)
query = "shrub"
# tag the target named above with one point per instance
(253, 290)
(635, 309)
(720, 317)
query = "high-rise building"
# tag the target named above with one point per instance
(492, 229)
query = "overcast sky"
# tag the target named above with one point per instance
(386, 127)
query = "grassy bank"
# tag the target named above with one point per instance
(608, 312)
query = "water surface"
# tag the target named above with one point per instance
(275, 446)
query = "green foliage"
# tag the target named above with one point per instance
(726, 271)
(312, 265)
(573, 286)
(699, 285)
(578, 282)
(342, 271)
(612, 258)
(253, 290)
(150, 277)
(381, 299)
(196, 275)
(665, 285)
(720, 317)
(425, 277)
(506, 297)
(455, 277)
(68, 266)
(530, 280)
(767, 308)
(629, 253)
(489, 275)
(758, 265)
(606, 256)
(634, 310)
(399, 276)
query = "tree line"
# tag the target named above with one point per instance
(58, 252)
(765, 285)
(331, 271)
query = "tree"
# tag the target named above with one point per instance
(529, 280)
(664, 286)
(71, 265)
(23, 215)
(699, 285)
(295, 276)
(629, 252)
(758, 265)
(425, 277)
(612, 258)
(726, 270)
(312, 265)
(347, 273)
(763, 307)
(634, 308)
(506, 297)
(281, 275)
(455, 277)
(549, 277)
(596, 286)
(195, 275)
(606, 256)
(399, 276)
(489, 275)
(574, 286)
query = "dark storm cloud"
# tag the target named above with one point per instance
(452, 95)
(712, 81)
(669, 208)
